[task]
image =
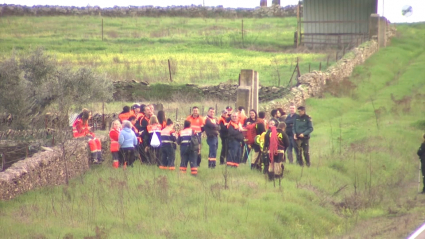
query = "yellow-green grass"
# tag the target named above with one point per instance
(202, 51)
(363, 166)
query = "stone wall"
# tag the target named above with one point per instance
(148, 11)
(43, 169)
(313, 84)
(142, 91)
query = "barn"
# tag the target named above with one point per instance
(330, 23)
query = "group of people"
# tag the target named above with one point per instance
(139, 133)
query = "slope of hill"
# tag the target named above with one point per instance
(364, 172)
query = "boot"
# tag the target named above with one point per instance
(99, 156)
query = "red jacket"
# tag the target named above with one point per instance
(113, 135)
(79, 129)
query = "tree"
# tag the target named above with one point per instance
(36, 81)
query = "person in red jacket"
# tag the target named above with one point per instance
(81, 130)
(113, 136)
(197, 125)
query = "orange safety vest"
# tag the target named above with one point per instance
(196, 123)
(115, 146)
(213, 120)
(125, 116)
(236, 126)
(242, 119)
(154, 128)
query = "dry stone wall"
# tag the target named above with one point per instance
(313, 84)
(148, 11)
(43, 169)
(139, 91)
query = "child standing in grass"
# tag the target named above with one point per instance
(421, 154)
(115, 146)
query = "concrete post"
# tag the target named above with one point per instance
(247, 80)
(247, 92)
(382, 38)
(373, 26)
(255, 91)
(243, 97)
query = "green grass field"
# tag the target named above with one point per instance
(363, 176)
(202, 51)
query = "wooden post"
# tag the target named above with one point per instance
(177, 113)
(53, 139)
(103, 116)
(320, 66)
(298, 69)
(102, 29)
(309, 67)
(343, 51)
(242, 34)
(169, 69)
(327, 62)
(298, 24)
(336, 57)
(3, 161)
(216, 109)
(190, 110)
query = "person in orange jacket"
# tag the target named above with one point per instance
(168, 146)
(187, 154)
(211, 130)
(125, 114)
(153, 128)
(235, 139)
(223, 122)
(197, 125)
(162, 120)
(113, 136)
(135, 110)
(81, 130)
(141, 125)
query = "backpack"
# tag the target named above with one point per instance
(155, 143)
(251, 132)
(194, 143)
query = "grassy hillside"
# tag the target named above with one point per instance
(361, 183)
(204, 51)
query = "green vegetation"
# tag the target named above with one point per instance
(363, 173)
(202, 51)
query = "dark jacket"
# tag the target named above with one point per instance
(222, 122)
(211, 127)
(421, 151)
(289, 124)
(260, 127)
(234, 133)
(303, 125)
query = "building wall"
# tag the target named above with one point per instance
(337, 10)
